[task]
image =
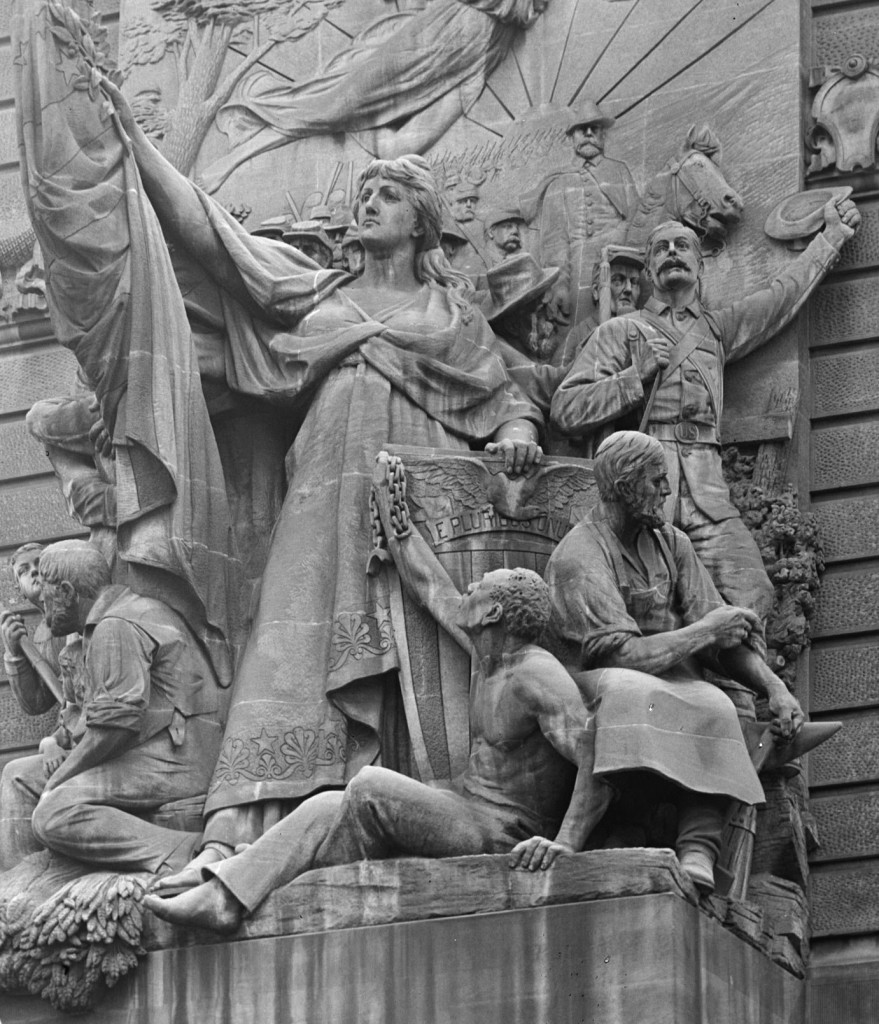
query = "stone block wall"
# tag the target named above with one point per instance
(839, 460)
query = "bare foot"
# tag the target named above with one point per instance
(207, 906)
(191, 875)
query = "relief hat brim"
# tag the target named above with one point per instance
(547, 278)
(802, 214)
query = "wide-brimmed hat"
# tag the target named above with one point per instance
(498, 214)
(516, 281)
(802, 214)
(308, 229)
(588, 112)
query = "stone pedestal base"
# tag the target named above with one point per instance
(650, 957)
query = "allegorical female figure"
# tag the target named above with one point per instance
(397, 355)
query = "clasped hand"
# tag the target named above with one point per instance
(657, 357)
(730, 626)
(12, 628)
(520, 456)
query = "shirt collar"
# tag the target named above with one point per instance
(653, 304)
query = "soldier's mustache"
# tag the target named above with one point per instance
(674, 262)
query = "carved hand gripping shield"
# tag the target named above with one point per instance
(474, 519)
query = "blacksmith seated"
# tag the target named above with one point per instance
(527, 790)
(151, 705)
(628, 592)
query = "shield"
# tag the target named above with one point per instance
(474, 519)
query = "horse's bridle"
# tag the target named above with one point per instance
(681, 179)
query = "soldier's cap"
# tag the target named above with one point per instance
(802, 214)
(515, 282)
(588, 112)
(352, 236)
(321, 212)
(498, 214)
(272, 227)
(341, 221)
(462, 189)
(623, 254)
(308, 229)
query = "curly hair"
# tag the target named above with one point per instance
(78, 562)
(524, 597)
(24, 549)
(431, 266)
(622, 457)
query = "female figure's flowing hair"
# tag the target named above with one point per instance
(414, 174)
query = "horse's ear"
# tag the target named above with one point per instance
(703, 139)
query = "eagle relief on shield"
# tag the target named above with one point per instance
(475, 519)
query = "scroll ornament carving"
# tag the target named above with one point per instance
(845, 115)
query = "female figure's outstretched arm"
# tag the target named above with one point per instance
(176, 201)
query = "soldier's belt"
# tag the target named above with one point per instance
(684, 432)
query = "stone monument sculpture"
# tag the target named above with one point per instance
(527, 789)
(663, 366)
(152, 709)
(629, 592)
(221, 369)
(338, 345)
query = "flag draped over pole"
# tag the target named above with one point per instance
(115, 303)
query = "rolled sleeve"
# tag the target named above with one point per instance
(589, 612)
(117, 675)
(748, 323)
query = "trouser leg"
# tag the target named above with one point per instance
(389, 815)
(286, 851)
(700, 820)
(21, 784)
(730, 554)
(92, 817)
(380, 814)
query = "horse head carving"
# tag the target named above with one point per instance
(690, 188)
